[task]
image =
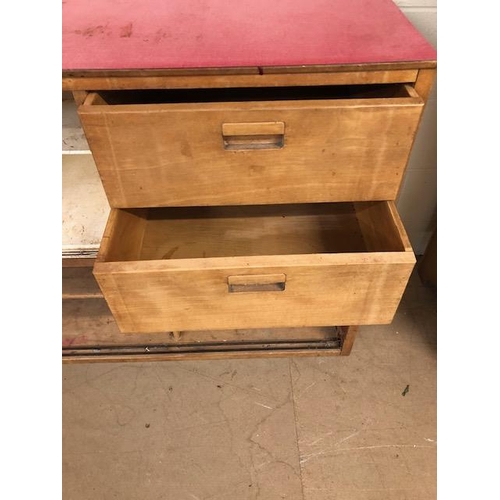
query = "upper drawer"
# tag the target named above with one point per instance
(251, 146)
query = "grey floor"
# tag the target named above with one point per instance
(304, 428)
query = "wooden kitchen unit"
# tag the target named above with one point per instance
(251, 153)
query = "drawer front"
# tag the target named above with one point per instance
(251, 152)
(259, 290)
(340, 292)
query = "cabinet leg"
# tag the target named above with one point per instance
(348, 336)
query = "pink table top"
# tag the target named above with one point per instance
(173, 34)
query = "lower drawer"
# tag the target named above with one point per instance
(209, 268)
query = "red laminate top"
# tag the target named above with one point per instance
(169, 34)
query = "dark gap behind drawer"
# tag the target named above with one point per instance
(170, 96)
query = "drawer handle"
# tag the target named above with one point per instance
(245, 136)
(256, 283)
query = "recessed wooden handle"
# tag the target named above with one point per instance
(243, 136)
(256, 283)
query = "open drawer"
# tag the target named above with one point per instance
(251, 146)
(209, 268)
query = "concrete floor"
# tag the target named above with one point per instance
(303, 428)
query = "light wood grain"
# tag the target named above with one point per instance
(348, 336)
(123, 235)
(322, 292)
(149, 72)
(79, 96)
(253, 80)
(424, 82)
(232, 71)
(208, 232)
(381, 226)
(350, 68)
(174, 155)
(265, 128)
(188, 289)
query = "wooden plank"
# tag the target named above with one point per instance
(79, 96)
(84, 207)
(125, 34)
(265, 128)
(150, 72)
(261, 70)
(424, 82)
(398, 224)
(316, 295)
(94, 99)
(351, 68)
(142, 149)
(223, 81)
(123, 235)
(348, 337)
(381, 227)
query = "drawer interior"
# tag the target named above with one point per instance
(170, 96)
(206, 232)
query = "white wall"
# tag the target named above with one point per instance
(418, 199)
